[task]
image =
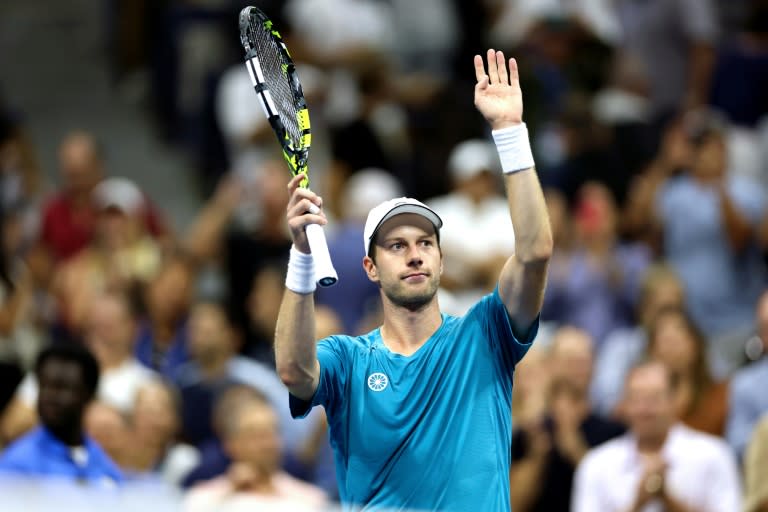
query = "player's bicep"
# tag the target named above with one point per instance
(330, 376)
(521, 287)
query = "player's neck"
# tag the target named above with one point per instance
(405, 331)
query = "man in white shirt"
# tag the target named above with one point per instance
(660, 464)
(473, 214)
(110, 334)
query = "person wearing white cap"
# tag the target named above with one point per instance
(419, 408)
(474, 213)
(121, 252)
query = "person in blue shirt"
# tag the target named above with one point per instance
(68, 376)
(419, 409)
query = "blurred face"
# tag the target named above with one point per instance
(649, 403)
(79, 163)
(595, 213)
(408, 261)
(256, 438)
(63, 396)
(479, 186)
(673, 344)
(209, 332)
(154, 415)
(709, 161)
(109, 330)
(572, 358)
(115, 229)
(664, 294)
(170, 291)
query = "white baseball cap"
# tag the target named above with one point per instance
(119, 193)
(388, 209)
(471, 157)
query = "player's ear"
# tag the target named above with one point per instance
(370, 269)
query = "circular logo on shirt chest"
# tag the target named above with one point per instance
(377, 381)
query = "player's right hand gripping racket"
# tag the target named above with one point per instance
(277, 85)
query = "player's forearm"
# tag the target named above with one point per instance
(295, 351)
(533, 234)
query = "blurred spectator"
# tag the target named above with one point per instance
(659, 464)
(376, 135)
(262, 309)
(69, 216)
(515, 18)
(701, 401)
(213, 459)
(242, 228)
(707, 218)
(162, 337)
(21, 182)
(21, 334)
(533, 377)
(624, 347)
(747, 405)
(355, 296)
(110, 335)
(155, 426)
(68, 376)
(343, 33)
(755, 478)
(215, 367)
(675, 40)
(120, 255)
(473, 213)
(246, 131)
(623, 108)
(251, 438)
(741, 72)
(595, 286)
(545, 453)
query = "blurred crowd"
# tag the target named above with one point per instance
(132, 350)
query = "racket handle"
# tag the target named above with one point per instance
(325, 274)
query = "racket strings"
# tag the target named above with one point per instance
(270, 58)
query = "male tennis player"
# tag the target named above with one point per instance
(419, 409)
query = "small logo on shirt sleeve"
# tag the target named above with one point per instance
(377, 381)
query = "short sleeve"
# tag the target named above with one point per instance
(492, 315)
(332, 354)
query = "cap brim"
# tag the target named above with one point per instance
(400, 209)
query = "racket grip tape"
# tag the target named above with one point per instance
(325, 274)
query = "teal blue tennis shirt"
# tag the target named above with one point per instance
(430, 431)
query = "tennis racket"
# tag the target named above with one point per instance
(277, 85)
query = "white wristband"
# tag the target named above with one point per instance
(514, 148)
(300, 277)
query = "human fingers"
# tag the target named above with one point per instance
(501, 67)
(493, 71)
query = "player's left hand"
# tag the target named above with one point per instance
(497, 93)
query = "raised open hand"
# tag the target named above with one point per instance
(497, 93)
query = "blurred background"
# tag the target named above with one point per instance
(142, 217)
